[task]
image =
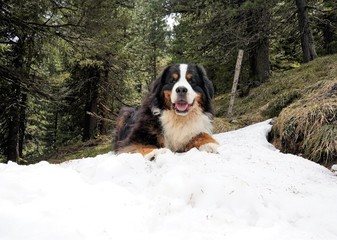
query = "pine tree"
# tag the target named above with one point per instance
(307, 39)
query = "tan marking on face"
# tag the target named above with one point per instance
(189, 76)
(167, 96)
(175, 76)
(198, 99)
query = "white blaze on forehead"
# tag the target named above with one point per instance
(182, 82)
(183, 71)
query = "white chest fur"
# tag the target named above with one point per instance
(178, 130)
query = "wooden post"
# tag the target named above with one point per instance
(235, 82)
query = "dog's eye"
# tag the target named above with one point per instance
(191, 81)
(172, 80)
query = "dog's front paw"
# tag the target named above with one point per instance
(152, 155)
(209, 147)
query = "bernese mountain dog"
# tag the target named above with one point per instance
(176, 115)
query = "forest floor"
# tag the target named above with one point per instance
(263, 102)
(91, 148)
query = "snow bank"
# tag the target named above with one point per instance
(249, 190)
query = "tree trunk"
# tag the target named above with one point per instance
(17, 112)
(153, 61)
(56, 117)
(90, 123)
(328, 30)
(235, 82)
(328, 37)
(259, 61)
(12, 150)
(23, 107)
(104, 101)
(258, 27)
(307, 39)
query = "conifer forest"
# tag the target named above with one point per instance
(68, 66)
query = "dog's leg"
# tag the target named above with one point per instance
(138, 148)
(149, 152)
(153, 154)
(204, 142)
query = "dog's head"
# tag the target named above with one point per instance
(181, 87)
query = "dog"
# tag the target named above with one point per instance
(176, 115)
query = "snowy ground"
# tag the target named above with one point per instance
(248, 191)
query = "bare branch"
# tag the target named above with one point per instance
(100, 117)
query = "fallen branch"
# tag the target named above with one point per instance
(101, 118)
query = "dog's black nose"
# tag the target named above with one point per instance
(181, 90)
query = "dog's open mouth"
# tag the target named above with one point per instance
(182, 106)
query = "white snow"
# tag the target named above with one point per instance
(247, 191)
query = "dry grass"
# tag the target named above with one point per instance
(309, 126)
(304, 103)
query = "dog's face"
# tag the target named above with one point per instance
(181, 87)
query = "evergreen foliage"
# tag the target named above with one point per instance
(66, 67)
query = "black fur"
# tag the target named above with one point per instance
(126, 120)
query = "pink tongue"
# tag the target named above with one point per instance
(181, 106)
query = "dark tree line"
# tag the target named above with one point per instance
(66, 67)
(59, 55)
(274, 34)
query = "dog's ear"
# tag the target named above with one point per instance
(155, 98)
(207, 83)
